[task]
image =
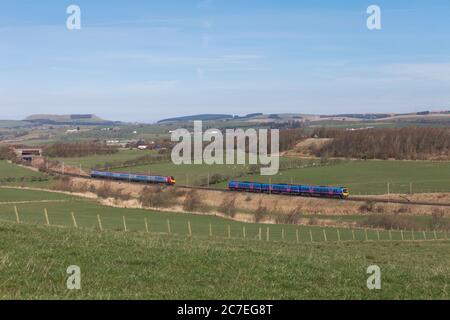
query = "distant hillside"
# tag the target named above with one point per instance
(202, 117)
(13, 123)
(71, 119)
(211, 117)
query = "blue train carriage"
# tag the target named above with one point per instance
(169, 180)
(290, 189)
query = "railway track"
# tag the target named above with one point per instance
(354, 199)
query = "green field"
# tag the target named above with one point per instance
(89, 162)
(213, 259)
(370, 177)
(11, 194)
(11, 174)
(115, 265)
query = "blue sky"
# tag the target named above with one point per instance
(146, 60)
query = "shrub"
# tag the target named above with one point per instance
(395, 222)
(228, 206)
(62, 183)
(155, 197)
(367, 206)
(192, 202)
(313, 221)
(6, 153)
(403, 209)
(438, 220)
(104, 191)
(261, 212)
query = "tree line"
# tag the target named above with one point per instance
(78, 149)
(6, 153)
(412, 143)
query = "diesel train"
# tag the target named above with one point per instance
(287, 189)
(290, 189)
(133, 177)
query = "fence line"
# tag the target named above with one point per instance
(293, 235)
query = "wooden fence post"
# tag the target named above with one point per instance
(267, 234)
(17, 214)
(189, 229)
(99, 222)
(124, 224)
(296, 235)
(74, 220)
(260, 234)
(47, 221)
(210, 230)
(243, 232)
(353, 235)
(282, 234)
(378, 235)
(169, 230)
(146, 225)
(424, 235)
(401, 233)
(338, 235)
(325, 234)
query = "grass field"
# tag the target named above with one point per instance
(11, 195)
(91, 161)
(11, 174)
(371, 177)
(179, 258)
(115, 265)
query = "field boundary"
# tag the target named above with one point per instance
(33, 201)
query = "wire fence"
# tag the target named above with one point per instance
(224, 230)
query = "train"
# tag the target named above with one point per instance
(243, 186)
(290, 189)
(133, 177)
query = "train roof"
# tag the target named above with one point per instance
(135, 173)
(288, 184)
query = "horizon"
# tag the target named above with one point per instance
(144, 62)
(234, 115)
